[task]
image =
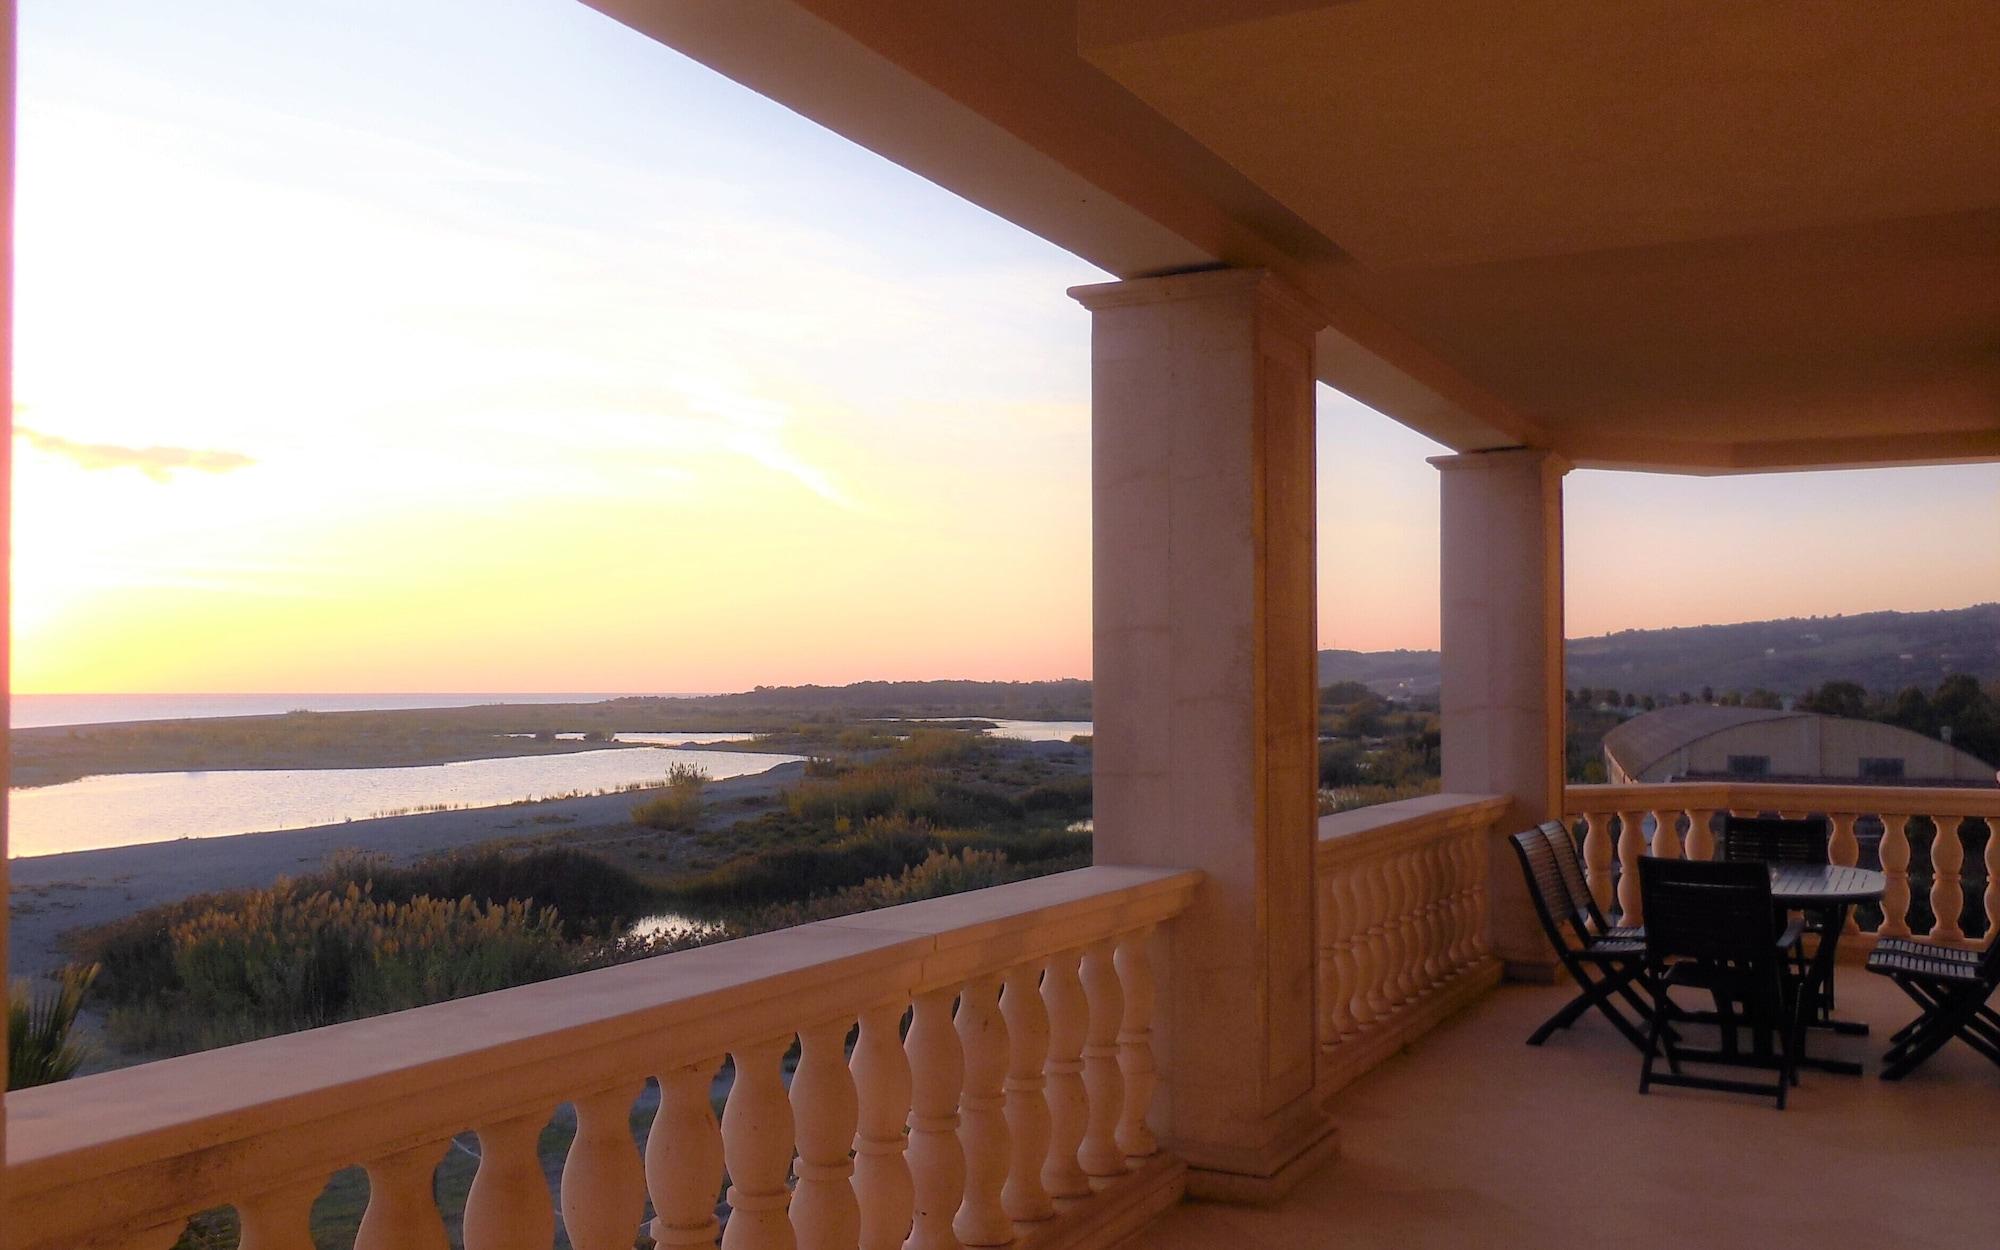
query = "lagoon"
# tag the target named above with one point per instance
(129, 808)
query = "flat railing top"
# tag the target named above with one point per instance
(1366, 829)
(1787, 796)
(341, 1093)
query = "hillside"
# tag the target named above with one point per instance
(1883, 651)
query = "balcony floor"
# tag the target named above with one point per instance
(1472, 1138)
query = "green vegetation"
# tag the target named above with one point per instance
(936, 810)
(41, 1044)
(1878, 650)
(357, 938)
(1372, 745)
(679, 806)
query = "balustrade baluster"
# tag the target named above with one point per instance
(509, 1207)
(1896, 871)
(1352, 893)
(1992, 896)
(684, 1158)
(1947, 887)
(1478, 864)
(1458, 899)
(1597, 856)
(1326, 968)
(1434, 901)
(882, 1086)
(1700, 840)
(603, 1180)
(1372, 885)
(280, 1219)
(1464, 934)
(1844, 850)
(401, 1213)
(1396, 944)
(1338, 971)
(1134, 964)
(757, 1149)
(982, 1125)
(1099, 1155)
(937, 1163)
(1024, 1197)
(1069, 1103)
(825, 1109)
(1411, 881)
(1667, 832)
(1631, 845)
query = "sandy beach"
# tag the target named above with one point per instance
(52, 894)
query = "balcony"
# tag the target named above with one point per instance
(1219, 1010)
(992, 1069)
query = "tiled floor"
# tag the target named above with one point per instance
(1474, 1139)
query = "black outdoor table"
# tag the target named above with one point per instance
(1826, 893)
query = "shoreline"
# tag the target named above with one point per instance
(52, 894)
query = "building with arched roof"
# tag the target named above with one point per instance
(1709, 742)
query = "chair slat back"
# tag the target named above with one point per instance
(1545, 885)
(1569, 866)
(1710, 910)
(1772, 840)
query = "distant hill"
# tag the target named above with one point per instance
(1883, 651)
(1065, 699)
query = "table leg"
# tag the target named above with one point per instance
(1821, 974)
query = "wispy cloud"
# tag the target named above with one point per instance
(157, 463)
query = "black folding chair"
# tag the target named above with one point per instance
(1712, 926)
(1601, 966)
(1784, 840)
(1576, 883)
(1951, 987)
(1774, 840)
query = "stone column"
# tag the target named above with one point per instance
(1502, 698)
(1206, 695)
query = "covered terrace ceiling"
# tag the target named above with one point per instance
(1695, 235)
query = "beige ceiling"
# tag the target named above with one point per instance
(1704, 236)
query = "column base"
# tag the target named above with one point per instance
(1245, 1189)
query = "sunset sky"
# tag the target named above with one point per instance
(485, 345)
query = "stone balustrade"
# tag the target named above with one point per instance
(1922, 838)
(1402, 924)
(1024, 1083)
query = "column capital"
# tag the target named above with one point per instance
(1201, 284)
(1501, 456)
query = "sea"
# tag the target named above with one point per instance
(34, 710)
(124, 809)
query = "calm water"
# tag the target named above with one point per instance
(32, 710)
(663, 737)
(1040, 730)
(160, 807)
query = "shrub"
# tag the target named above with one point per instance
(866, 792)
(937, 874)
(938, 746)
(41, 1044)
(679, 806)
(591, 896)
(278, 962)
(1067, 796)
(588, 897)
(775, 873)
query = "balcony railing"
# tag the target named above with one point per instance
(1014, 1108)
(1935, 846)
(1402, 924)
